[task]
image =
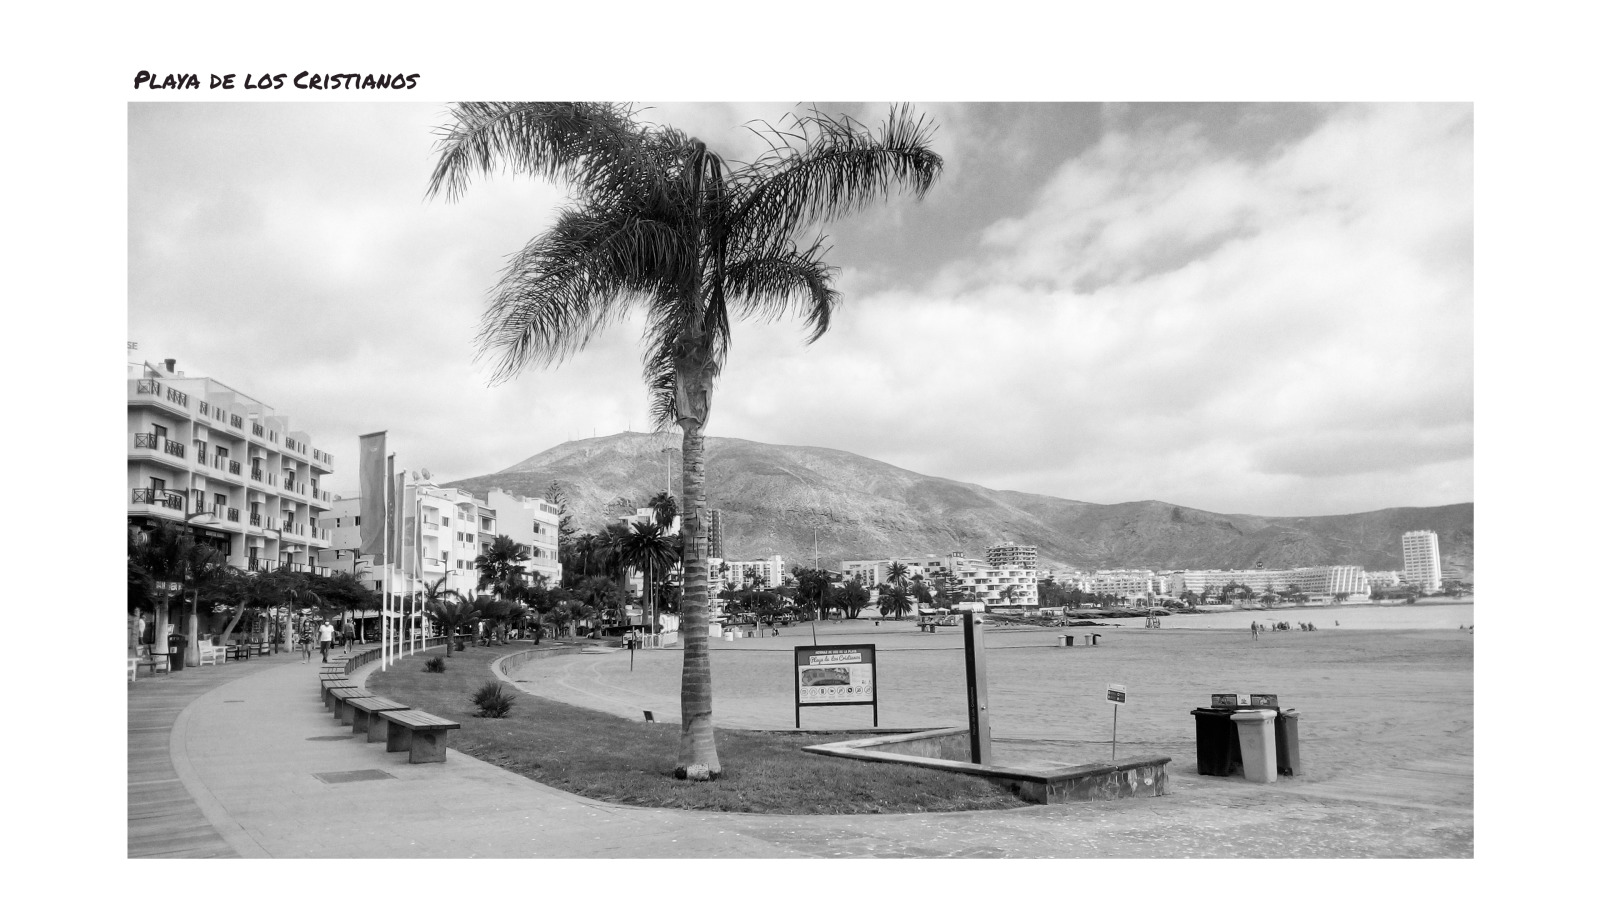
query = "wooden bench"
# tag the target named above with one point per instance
(423, 734)
(367, 719)
(327, 686)
(154, 660)
(341, 705)
(239, 650)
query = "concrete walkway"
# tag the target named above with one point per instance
(273, 775)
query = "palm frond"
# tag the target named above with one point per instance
(564, 287)
(826, 167)
(774, 285)
(590, 146)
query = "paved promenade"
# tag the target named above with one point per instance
(258, 768)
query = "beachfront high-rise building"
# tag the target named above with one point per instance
(1012, 555)
(742, 571)
(713, 531)
(225, 466)
(1420, 551)
(1330, 581)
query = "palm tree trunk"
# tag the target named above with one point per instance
(697, 742)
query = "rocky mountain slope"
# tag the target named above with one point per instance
(772, 496)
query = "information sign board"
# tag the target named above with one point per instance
(1263, 699)
(1116, 694)
(836, 675)
(1224, 701)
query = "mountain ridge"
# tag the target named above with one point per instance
(772, 495)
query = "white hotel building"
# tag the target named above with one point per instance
(1420, 552)
(226, 465)
(999, 587)
(452, 527)
(1321, 580)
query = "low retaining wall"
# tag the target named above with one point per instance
(946, 749)
(353, 663)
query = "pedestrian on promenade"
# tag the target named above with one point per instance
(325, 636)
(305, 643)
(1255, 632)
(349, 634)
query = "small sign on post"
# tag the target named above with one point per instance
(1263, 699)
(1224, 701)
(1116, 695)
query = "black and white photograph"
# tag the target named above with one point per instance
(491, 463)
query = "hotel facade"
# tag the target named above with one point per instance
(1420, 552)
(229, 468)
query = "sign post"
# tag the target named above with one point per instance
(1116, 695)
(836, 675)
(977, 688)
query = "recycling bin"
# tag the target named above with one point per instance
(1216, 741)
(1286, 734)
(1064, 640)
(176, 645)
(1258, 748)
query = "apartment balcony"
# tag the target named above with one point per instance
(152, 392)
(257, 564)
(321, 461)
(430, 526)
(154, 448)
(150, 500)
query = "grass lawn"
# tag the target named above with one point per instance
(608, 758)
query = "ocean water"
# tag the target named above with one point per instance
(1434, 614)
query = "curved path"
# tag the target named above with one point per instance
(270, 774)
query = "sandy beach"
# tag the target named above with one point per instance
(1386, 714)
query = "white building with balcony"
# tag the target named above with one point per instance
(444, 530)
(227, 466)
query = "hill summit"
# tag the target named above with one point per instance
(772, 497)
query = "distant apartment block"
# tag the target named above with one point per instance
(743, 571)
(444, 530)
(1420, 552)
(1326, 580)
(1012, 555)
(1129, 584)
(997, 586)
(226, 467)
(713, 531)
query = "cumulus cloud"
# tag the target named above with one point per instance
(1247, 309)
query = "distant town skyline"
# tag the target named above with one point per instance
(1242, 308)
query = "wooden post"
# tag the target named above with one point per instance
(977, 690)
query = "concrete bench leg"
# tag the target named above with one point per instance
(428, 746)
(347, 713)
(361, 724)
(399, 738)
(377, 729)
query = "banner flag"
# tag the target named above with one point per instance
(373, 450)
(396, 502)
(407, 555)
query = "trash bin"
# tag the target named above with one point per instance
(1216, 741)
(1093, 639)
(1258, 749)
(176, 645)
(1286, 733)
(1064, 640)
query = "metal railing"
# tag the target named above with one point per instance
(169, 499)
(148, 386)
(236, 422)
(205, 408)
(255, 519)
(174, 448)
(179, 397)
(257, 430)
(233, 467)
(233, 514)
(144, 442)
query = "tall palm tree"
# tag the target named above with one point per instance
(661, 224)
(895, 600)
(651, 551)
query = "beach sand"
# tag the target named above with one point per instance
(1386, 716)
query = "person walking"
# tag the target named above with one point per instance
(325, 636)
(349, 634)
(305, 643)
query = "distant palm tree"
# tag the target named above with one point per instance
(897, 573)
(500, 562)
(896, 601)
(665, 507)
(661, 224)
(449, 615)
(653, 553)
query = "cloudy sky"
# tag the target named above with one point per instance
(1243, 308)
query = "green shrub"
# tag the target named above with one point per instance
(434, 664)
(492, 700)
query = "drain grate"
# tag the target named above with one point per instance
(357, 775)
(332, 737)
(233, 701)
